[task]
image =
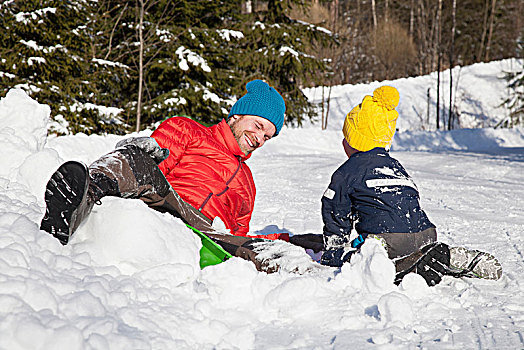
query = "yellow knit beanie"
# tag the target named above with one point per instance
(372, 123)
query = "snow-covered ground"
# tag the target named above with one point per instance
(129, 279)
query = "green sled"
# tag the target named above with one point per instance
(211, 253)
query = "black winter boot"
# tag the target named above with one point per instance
(68, 200)
(431, 262)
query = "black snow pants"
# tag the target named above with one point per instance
(405, 248)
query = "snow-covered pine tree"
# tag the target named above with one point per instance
(188, 67)
(200, 61)
(82, 58)
(45, 52)
(281, 50)
(515, 100)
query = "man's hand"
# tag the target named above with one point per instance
(148, 145)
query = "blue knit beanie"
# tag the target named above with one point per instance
(263, 101)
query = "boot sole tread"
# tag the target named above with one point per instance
(63, 195)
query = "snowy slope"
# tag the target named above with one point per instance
(478, 93)
(130, 279)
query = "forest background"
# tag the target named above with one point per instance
(120, 66)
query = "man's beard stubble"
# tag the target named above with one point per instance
(238, 133)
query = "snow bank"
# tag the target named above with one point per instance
(20, 136)
(141, 239)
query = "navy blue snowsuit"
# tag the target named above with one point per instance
(374, 192)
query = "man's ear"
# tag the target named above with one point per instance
(233, 119)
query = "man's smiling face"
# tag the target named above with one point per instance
(251, 131)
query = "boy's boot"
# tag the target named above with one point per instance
(474, 263)
(431, 262)
(70, 195)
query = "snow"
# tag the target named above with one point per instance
(227, 34)
(26, 17)
(32, 44)
(164, 35)
(109, 63)
(7, 75)
(186, 55)
(173, 101)
(33, 60)
(130, 278)
(105, 111)
(478, 93)
(286, 49)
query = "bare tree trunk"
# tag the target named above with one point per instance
(518, 22)
(411, 18)
(357, 23)
(325, 112)
(374, 10)
(334, 27)
(386, 14)
(484, 30)
(491, 20)
(327, 109)
(322, 110)
(428, 97)
(432, 38)
(113, 32)
(421, 32)
(334, 15)
(140, 66)
(439, 21)
(451, 53)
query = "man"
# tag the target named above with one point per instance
(205, 169)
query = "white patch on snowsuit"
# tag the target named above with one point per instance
(391, 183)
(329, 193)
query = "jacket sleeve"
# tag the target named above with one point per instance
(243, 224)
(247, 192)
(336, 212)
(174, 134)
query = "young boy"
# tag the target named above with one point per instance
(372, 193)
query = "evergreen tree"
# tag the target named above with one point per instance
(515, 101)
(189, 66)
(83, 59)
(44, 52)
(280, 50)
(211, 51)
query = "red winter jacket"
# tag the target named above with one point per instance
(206, 168)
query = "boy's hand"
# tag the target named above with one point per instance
(336, 257)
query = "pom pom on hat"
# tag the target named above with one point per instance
(261, 100)
(372, 123)
(386, 96)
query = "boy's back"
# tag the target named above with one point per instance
(376, 189)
